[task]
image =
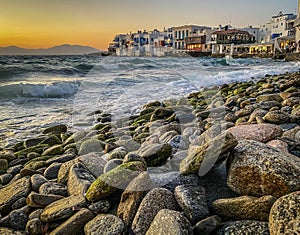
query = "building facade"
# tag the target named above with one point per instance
(297, 26)
(222, 41)
(180, 33)
(281, 25)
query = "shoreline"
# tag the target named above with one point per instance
(64, 182)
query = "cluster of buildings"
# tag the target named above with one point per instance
(280, 34)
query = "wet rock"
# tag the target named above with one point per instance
(192, 200)
(243, 227)
(53, 188)
(154, 201)
(259, 132)
(41, 200)
(5, 179)
(155, 154)
(57, 130)
(35, 214)
(269, 97)
(174, 179)
(170, 222)
(75, 224)
(161, 113)
(19, 203)
(201, 159)
(99, 207)
(79, 180)
(133, 196)
(54, 150)
(277, 117)
(14, 169)
(36, 181)
(13, 192)
(34, 227)
(284, 215)
(18, 220)
(118, 178)
(62, 209)
(52, 171)
(244, 208)
(256, 169)
(207, 226)
(105, 224)
(3, 166)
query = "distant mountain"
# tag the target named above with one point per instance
(65, 49)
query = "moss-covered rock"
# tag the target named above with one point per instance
(54, 150)
(118, 178)
(155, 154)
(57, 130)
(37, 149)
(201, 159)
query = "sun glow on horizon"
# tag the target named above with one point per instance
(43, 24)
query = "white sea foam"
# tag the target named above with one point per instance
(115, 85)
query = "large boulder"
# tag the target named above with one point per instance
(244, 208)
(285, 215)
(13, 192)
(75, 224)
(104, 224)
(201, 159)
(170, 222)
(118, 178)
(156, 200)
(62, 209)
(256, 169)
(133, 196)
(155, 154)
(259, 132)
(79, 179)
(192, 200)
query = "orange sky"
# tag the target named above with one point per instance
(46, 23)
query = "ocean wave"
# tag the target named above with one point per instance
(49, 90)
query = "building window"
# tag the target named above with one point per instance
(176, 34)
(187, 33)
(179, 34)
(182, 34)
(175, 44)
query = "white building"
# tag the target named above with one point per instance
(297, 26)
(252, 30)
(280, 25)
(181, 32)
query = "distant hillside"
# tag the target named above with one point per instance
(65, 49)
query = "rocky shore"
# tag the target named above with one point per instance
(224, 160)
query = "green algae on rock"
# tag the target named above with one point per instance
(118, 178)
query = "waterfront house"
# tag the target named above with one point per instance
(280, 25)
(180, 33)
(223, 40)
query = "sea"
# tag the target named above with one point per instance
(40, 91)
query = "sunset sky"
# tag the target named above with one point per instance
(45, 23)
